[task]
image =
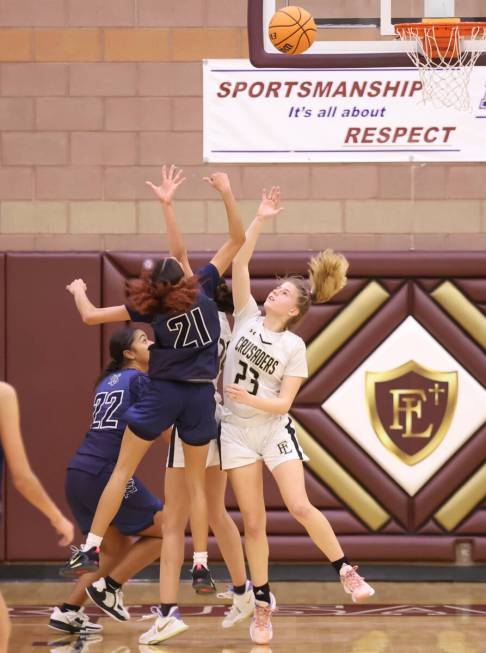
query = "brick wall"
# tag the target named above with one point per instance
(95, 94)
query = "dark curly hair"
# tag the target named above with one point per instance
(161, 288)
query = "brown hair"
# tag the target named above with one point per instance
(327, 276)
(162, 288)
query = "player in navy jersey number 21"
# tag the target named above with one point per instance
(183, 362)
(120, 385)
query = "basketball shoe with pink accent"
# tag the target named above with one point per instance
(261, 631)
(355, 584)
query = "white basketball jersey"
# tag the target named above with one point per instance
(224, 340)
(258, 360)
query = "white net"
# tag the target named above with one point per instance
(444, 64)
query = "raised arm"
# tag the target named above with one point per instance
(24, 479)
(240, 280)
(90, 314)
(236, 232)
(171, 180)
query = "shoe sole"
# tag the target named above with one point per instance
(60, 627)
(163, 639)
(204, 588)
(363, 599)
(107, 611)
(76, 573)
(238, 621)
(63, 628)
(262, 643)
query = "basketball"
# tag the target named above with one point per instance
(292, 30)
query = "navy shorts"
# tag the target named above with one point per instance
(83, 491)
(190, 407)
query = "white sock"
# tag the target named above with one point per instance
(91, 541)
(200, 558)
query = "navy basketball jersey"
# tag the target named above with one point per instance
(186, 344)
(113, 396)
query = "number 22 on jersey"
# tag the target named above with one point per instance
(105, 405)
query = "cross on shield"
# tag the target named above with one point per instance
(411, 408)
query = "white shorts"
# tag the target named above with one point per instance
(175, 455)
(274, 442)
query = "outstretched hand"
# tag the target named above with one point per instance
(269, 206)
(65, 529)
(219, 181)
(76, 286)
(171, 180)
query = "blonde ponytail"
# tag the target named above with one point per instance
(327, 275)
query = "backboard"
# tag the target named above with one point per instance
(352, 33)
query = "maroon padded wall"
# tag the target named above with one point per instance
(53, 360)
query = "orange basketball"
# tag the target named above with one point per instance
(292, 30)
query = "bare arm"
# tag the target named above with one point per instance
(24, 479)
(90, 314)
(171, 180)
(278, 405)
(241, 276)
(236, 232)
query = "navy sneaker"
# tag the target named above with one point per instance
(202, 583)
(81, 562)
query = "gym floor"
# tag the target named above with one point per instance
(402, 617)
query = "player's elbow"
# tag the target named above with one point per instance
(90, 319)
(284, 407)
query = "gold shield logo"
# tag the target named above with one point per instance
(411, 409)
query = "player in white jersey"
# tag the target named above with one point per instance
(265, 367)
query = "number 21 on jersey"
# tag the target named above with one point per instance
(191, 329)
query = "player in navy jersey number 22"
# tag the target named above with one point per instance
(183, 362)
(120, 385)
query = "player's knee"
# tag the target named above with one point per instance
(255, 524)
(300, 510)
(172, 521)
(219, 520)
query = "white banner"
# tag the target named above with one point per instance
(376, 114)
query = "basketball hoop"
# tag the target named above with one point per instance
(444, 64)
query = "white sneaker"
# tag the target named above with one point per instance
(242, 608)
(164, 627)
(355, 584)
(108, 599)
(261, 631)
(72, 622)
